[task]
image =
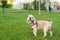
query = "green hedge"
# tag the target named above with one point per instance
(43, 6)
(26, 6)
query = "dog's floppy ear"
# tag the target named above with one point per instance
(27, 19)
(34, 21)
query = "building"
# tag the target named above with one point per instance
(55, 4)
(17, 4)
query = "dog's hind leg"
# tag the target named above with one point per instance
(50, 32)
(45, 32)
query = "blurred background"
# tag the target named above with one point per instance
(28, 5)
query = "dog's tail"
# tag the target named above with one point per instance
(51, 22)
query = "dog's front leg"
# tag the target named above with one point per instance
(35, 31)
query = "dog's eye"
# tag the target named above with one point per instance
(31, 17)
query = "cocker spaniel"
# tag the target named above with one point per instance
(40, 24)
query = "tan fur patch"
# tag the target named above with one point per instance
(42, 23)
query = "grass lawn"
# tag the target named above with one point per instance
(15, 27)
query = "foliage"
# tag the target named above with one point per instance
(26, 6)
(4, 4)
(36, 5)
(43, 6)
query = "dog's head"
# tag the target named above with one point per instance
(31, 19)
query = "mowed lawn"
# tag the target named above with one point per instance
(15, 27)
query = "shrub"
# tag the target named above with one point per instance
(43, 6)
(5, 5)
(26, 6)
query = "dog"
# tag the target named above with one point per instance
(40, 24)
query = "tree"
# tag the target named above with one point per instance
(47, 4)
(4, 3)
(25, 5)
(35, 4)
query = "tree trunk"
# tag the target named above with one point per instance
(47, 5)
(39, 8)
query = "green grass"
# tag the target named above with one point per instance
(14, 26)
